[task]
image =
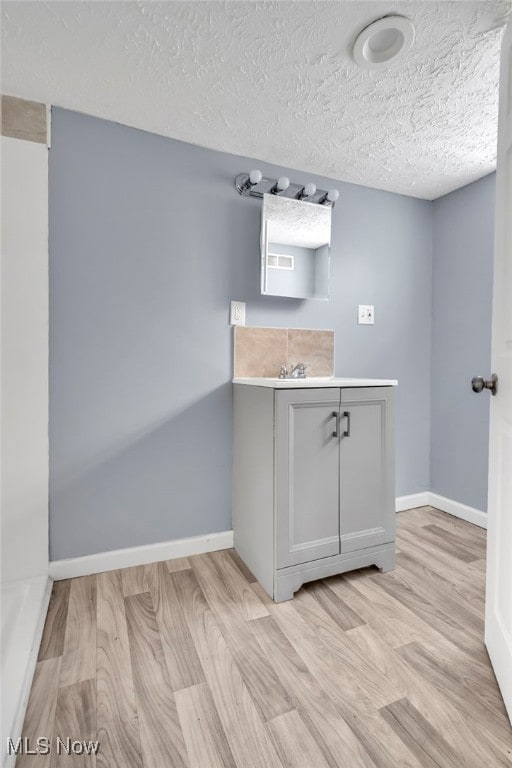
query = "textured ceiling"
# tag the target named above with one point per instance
(276, 81)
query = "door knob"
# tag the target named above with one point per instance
(478, 384)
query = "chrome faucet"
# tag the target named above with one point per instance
(298, 371)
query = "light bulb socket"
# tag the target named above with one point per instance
(330, 198)
(308, 191)
(281, 185)
(244, 182)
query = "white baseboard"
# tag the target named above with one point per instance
(455, 508)
(412, 501)
(24, 608)
(149, 553)
(167, 550)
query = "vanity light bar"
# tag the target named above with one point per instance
(254, 184)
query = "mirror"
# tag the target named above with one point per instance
(295, 241)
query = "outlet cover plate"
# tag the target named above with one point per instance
(366, 314)
(237, 314)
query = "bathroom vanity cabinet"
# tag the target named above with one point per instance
(313, 481)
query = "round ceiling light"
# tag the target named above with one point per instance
(383, 42)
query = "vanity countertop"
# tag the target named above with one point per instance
(313, 381)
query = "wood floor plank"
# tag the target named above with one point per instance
(238, 586)
(293, 742)
(269, 696)
(160, 732)
(463, 548)
(446, 600)
(52, 642)
(178, 564)
(262, 594)
(383, 746)
(118, 725)
(134, 580)
(40, 714)
(347, 656)
(477, 673)
(75, 719)
(341, 613)
(442, 544)
(331, 732)
(455, 524)
(392, 620)
(206, 742)
(450, 568)
(183, 663)
(248, 740)
(476, 745)
(244, 570)
(226, 604)
(234, 601)
(479, 565)
(419, 736)
(424, 577)
(456, 624)
(79, 650)
(417, 517)
(401, 679)
(467, 696)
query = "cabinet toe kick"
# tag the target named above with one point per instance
(287, 581)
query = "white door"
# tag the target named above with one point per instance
(498, 617)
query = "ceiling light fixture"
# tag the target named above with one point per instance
(383, 42)
(254, 184)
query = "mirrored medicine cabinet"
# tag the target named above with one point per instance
(295, 248)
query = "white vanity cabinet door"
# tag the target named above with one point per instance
(307, 456)
(367, 503)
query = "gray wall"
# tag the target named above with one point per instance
(148, 243)
(461, 341)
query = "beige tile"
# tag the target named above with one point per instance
(23, 119)
(259, 351)
(315, 348)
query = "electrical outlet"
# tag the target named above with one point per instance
(366, 314)
(237, 315)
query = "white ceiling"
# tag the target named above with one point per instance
(276, 81)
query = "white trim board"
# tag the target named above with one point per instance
(148, 553)
(451, 507)
(455, 508)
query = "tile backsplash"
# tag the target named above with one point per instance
(260, 351)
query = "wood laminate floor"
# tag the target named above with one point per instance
(189, 664)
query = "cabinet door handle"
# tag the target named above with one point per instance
(346, 415)
(336, 415)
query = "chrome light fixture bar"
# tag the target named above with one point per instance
(254, 184)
